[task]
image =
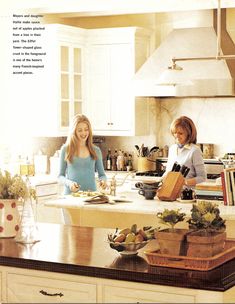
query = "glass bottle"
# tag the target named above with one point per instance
(108, 160)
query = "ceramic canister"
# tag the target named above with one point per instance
(9, 218)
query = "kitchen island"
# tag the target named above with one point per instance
(76, 265)
(123, 214)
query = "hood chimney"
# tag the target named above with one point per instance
(191, 62)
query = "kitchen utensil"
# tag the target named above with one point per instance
(148, 193)
(174, 166)
(144, 164)
(145, 151)
(171, 187)
(153, 185)
(183, 169)
(141, 150)
(177, 168)
(186, 172)
(138, 150)
(153, 149)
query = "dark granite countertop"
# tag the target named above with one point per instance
(85, 251)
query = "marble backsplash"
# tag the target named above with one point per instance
(213, 117)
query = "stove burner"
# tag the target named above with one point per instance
(149, 173)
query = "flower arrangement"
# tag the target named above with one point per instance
(205, 217)
(171, 217)
(13, 187)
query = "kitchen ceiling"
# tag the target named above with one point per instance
(84, 8)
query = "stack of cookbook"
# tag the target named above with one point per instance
(209, 191)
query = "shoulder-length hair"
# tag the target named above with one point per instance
(72, 139)
(188, 125)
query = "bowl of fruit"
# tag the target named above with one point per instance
(129, 240)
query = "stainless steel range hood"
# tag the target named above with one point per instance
(197, 78)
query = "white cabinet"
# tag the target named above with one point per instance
(112, 57)
(29, 287)
(87, 71)
(60, 92)
(114, 294)
(34, 286)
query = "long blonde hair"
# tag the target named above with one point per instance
(72, 140)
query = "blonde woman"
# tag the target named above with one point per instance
(80, 159)
(185, 151)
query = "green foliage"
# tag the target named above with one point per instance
(12, 187)
(171, 217)
(206, 216)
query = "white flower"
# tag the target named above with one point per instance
(12, 187)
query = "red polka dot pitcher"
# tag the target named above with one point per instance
(9, 218)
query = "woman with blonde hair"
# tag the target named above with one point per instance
(185, 151)
(80, 159)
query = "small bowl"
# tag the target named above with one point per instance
(148, 185)
(128, 249)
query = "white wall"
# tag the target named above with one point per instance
(214, 119)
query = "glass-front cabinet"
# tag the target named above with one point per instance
(71, 78)
(60, 89)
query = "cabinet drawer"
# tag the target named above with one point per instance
(113, 294)
(30, 289)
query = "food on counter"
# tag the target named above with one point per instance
(98, 199)
(85, 193)
(129, 240)
(132, 235)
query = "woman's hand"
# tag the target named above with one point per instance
(190, 182)
(74, 187)
(102, 184)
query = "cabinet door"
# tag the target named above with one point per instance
(71, 77)
(32, 289)
(112, 294)
(99, 87)
(121, 71)
(110, 101)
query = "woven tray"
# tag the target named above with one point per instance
(155, 258)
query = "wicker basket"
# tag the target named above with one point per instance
(155, 258)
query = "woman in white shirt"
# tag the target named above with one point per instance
(185, 151)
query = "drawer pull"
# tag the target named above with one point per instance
(51, 294)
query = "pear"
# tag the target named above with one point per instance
(130, 238)
(134, 228)
(120, 238)
(139, 238)
(142, 232)
(125, 231)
